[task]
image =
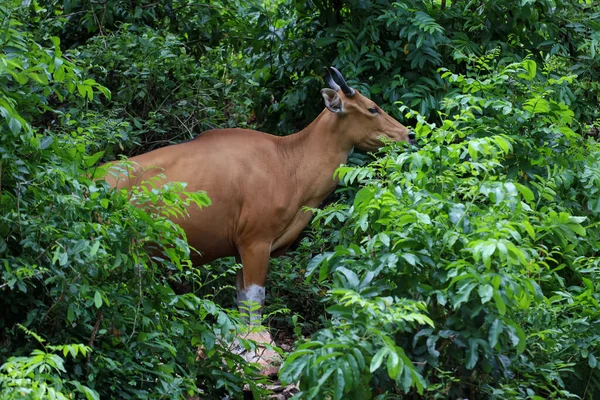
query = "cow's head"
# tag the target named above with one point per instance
(364, 121)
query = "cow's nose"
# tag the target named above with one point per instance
(411, 137)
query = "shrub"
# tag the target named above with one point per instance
(466, 267)
(83, 264)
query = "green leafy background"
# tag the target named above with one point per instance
(463, 267)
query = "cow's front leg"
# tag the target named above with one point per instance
(251, 279)
(251, 298)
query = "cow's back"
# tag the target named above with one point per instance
(239, 171)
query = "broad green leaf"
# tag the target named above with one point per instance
(529, 228)
(485, 293)
(45, 142)
(500, 304)
(537, 105)
(530, 68)
(70, 314)
(98, 299)
(340, 383)
(95, 248)
(394, 365)
(463, 294)
(525, 192)
(14, 125)
(378, 359)
(472, 354)
(93, 159)
(385, 239)
(495, 331)
(578, 229)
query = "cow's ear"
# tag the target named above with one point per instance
(333, 102)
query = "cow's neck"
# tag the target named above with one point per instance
(313, 155)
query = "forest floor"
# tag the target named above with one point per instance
(285, 341)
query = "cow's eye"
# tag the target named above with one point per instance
(374, 110)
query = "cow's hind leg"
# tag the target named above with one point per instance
(251, 279)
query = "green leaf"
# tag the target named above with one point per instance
(59, 74)
(63, 259)
(360, 359)
(394, 365)
(351, 277)
(500, 305)
(485, 293)
(594, 205)
(46, 142)
(364, 195)
(97, 299)
(339, 384)
(378, 359)
(82, 89)
(95, 248)
(537, 105)
(90, 93)
(14, 125)
(522, 339)
(407, 379)
(472, 354)
(70, 314)
(592, 362)
(463, 294)
(385, 239)
(411, 259)
(93, 159)
(531, 68)
(326, 356)
(525, 192)
(418, 380)
(487, 250)
(529, 229)
(325, 41)
(578, 229)
(495, 331)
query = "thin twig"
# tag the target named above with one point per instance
(587, 384)
(19, 209)
(139, 305)
(99, 318)
(61, 298)
(185, 126)
(28, 277)
(98, 23)
(69, 15)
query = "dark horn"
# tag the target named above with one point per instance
(348, 91)
(330, 81)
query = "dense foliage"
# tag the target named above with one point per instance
(464, 267)
(472, 257)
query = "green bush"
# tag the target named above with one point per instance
(466, 267)
(161, 90)
(83, 264)
(38, 376)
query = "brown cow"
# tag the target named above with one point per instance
(260, 183)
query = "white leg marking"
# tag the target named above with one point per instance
(256, 294)
(247, 300)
